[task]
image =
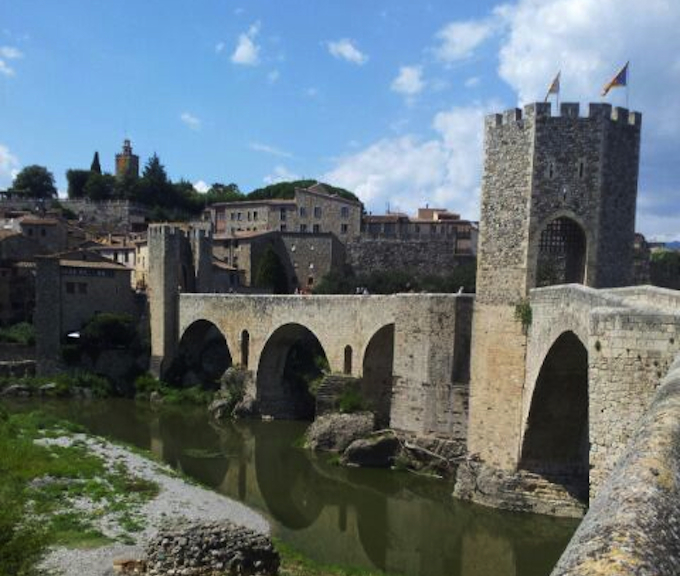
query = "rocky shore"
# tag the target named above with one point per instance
(176, 500)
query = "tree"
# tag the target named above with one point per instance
(271, 273)
(155, 188)
(96, 166)
(35, 181)
(77, 179)
(99, 186)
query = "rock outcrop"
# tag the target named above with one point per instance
(207, 548)
(379, 450)
(334, 432)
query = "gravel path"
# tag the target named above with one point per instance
(176, 499)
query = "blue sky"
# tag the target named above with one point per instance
(384, 97)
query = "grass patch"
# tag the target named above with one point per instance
(293, 563)
(42, 485)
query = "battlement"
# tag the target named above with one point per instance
(543, 110)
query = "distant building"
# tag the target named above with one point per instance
(127, 163)
(313, 210)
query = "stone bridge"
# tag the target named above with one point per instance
(594, 359)
(409, 349)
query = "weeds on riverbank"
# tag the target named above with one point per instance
(293, 563)
(54, 493)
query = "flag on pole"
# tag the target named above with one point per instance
(554, 87)
(621, 79)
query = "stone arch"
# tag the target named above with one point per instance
(556, 441)
(202, 356)
(245, 348)
(377, 373)
(278, 395)
(347, 362)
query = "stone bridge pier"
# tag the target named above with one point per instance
(409, 349)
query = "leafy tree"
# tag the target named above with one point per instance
(96, 166)
(99, 186)
(286, 190)
(35, 181)
(155, 188)
(223, 193)
(271, 272)
(77, 179)
(125, 187)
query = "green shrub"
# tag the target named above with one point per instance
(145, 384)
(21, 333)
(351, 400)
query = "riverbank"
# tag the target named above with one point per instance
(72, 503)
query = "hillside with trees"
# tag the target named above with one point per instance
(173, 200)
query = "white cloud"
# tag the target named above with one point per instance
(409, 81)
(345, 49)
(6, 69)
(201, 186)
(10, 53)
(458, 40)
(219, 47)
(259, 147)
(408, 172)
(281, 174)
(472, 82)
(312, 92)
(273, 76)
(9, 166)
(247, 52)
(190, 121)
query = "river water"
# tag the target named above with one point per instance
(392, 521)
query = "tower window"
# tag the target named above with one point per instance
(581, 169)
(551, 170)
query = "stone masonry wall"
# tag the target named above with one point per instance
(632, 525)
(631, 336)
(422, 256)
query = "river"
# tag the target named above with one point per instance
(392, 521)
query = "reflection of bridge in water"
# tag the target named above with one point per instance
(369, 518)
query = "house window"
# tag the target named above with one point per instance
(343, 228)
(283, 228)
(255, 215)
(303, 212)
(233, 216)
(344, 212)
(317, 211)
(82, 288)
(316, 229)
(30, 231)
(43, 232)
(303, 227)
(70, 288)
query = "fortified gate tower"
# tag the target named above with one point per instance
(558, 206)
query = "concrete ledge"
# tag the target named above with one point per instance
(633, 525)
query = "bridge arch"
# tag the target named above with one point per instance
(290, 351)
(559, 250)
(377, 373)
(556, 437)
(202, 355)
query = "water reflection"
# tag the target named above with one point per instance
(392, 521)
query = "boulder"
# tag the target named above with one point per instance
(246, 408)
(379, 450)
(219, 408)
(334, 432)
(202, 548)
